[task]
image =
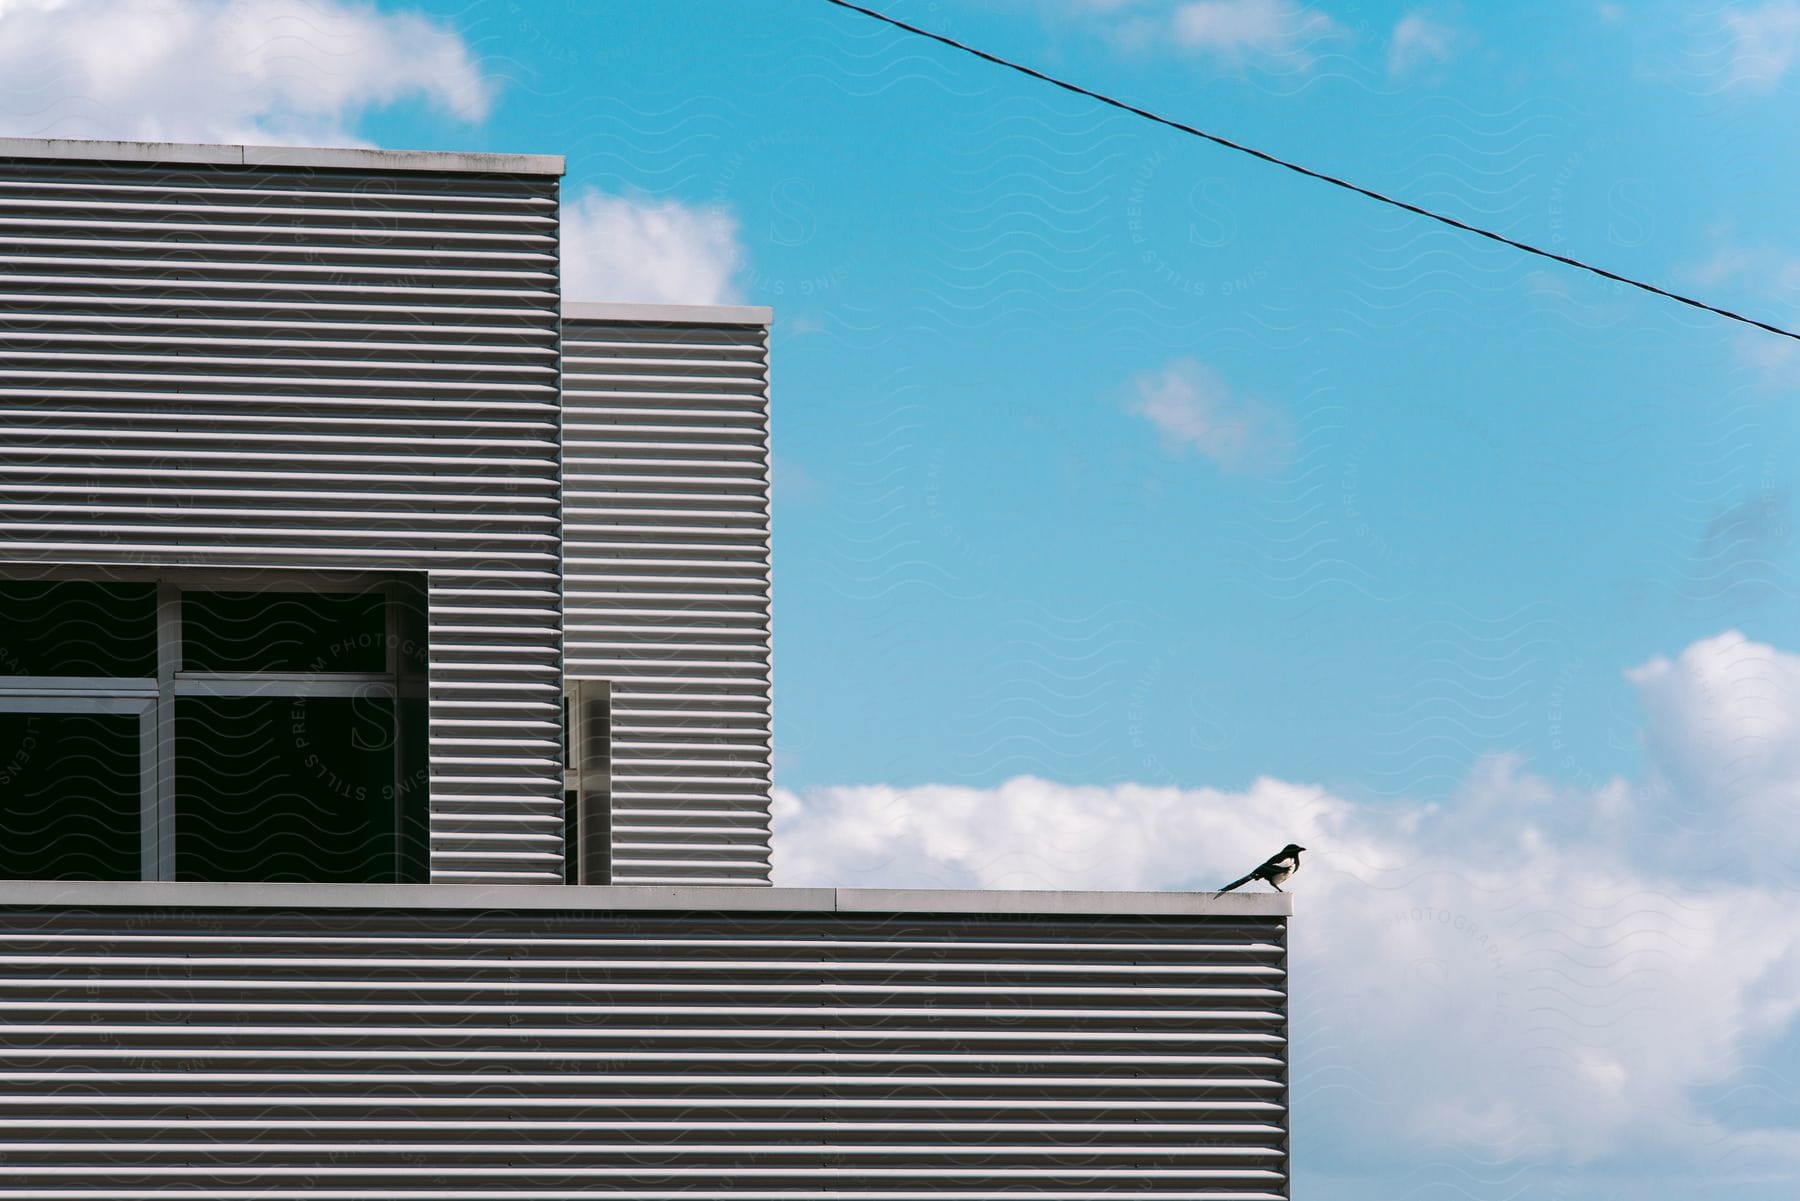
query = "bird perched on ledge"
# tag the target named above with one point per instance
(1279, 867)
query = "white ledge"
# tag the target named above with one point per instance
(674, 314)
(84, 894)
(347, 158)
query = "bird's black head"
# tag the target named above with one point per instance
(1291, 849)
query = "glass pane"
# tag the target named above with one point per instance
(70, 803)
(77, 628)
(284, 631)
(296, 789)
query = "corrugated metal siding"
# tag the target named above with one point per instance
(317, 1053)
(304, 368)
(666, 586)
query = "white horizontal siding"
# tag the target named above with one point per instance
(229, 365)
(457, 1053)
(666, 585)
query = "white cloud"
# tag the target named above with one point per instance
(647, 250)
(1268, 32)
(1725, 715)
(305, 72)
(283, 71)
(1774, 273)
(1769, 274)
(1726, 263)
(1764, 42)
(1195, 409)
(1420, 41)
(1583, 992)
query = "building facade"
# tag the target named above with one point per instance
(314, 394)
(666, 589)
(385, 745)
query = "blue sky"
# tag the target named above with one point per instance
(1455, 453)
(1141, 507)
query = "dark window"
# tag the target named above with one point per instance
(284, 631)
(572, 837)
(296, 718)
(70, 803)
(286, 788)
(78, 628)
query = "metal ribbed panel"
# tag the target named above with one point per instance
(229, 365)
(666, 585)
(317, 1053)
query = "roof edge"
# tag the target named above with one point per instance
(681, 314)
(326, 157)
(70, 894)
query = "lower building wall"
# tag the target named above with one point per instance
(288, 1051)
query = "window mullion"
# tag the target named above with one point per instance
(273, 684)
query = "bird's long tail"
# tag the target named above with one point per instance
(1239, 883)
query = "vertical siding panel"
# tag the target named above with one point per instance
(229, 365)
(666, 583)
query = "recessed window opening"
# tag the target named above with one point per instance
(194, 726)
(587, 782)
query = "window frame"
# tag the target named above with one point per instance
(156, 850)
(153, 699)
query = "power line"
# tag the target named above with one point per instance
(1321, 176)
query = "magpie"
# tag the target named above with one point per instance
(1280, 866)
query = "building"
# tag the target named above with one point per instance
(385, 743)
